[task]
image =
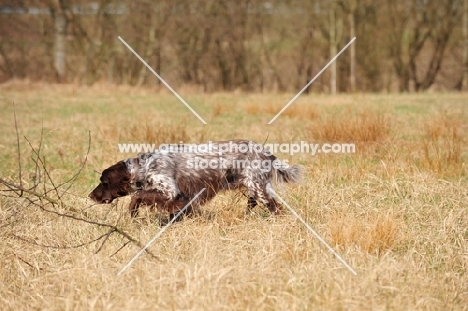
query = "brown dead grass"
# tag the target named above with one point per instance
(375, 234)
(396, 216)
(442, 143)
(157, 134)
(295, 111)
(361, 127)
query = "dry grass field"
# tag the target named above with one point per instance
(396, 209)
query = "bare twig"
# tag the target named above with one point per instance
(30, 265)
(266, 139)
(45, 170)
(40, 196)
(108, 234)
(69, 181)
(11, 216)
(28, 191)
(19, 149)
(59, 247)
(48, 197)
(37, 171)
(120, 248)
(74, 177)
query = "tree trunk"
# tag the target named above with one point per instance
(309, 77)
(352, 60)
(465, 46)
(332, 48)
(157, 56)
(110, 68)
(59, 48)
(403, 82)
(85, 76)
(149, 50)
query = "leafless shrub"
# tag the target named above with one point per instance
(43, 193)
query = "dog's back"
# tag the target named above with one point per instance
(184, 170)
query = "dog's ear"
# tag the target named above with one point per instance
(128, 162)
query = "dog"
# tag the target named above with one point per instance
(174, 174)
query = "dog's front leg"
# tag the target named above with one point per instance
(135, 204)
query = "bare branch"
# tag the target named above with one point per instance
(37, 172)
(115, 253)
(45, 169)
(19, 149)
(30, 265)
(57, 202)
(108, 234)
(74, 177)
(60, 247)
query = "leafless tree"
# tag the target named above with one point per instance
(350, 7)
(251, 45)
(417, 27)
(465, 45)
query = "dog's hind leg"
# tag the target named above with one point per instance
(274, 207)
(178, 204)
(188, 212)
(251, 203)
(259, 192)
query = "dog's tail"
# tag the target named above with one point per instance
(290, 174)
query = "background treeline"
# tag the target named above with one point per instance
(258, 46)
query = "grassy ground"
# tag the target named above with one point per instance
(395, 209)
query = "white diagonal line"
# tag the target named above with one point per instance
(270, 190)
(162, 80)
(310, 82)
(159, 233)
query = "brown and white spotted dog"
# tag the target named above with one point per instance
(171, 176)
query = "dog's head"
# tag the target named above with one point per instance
(116, 181)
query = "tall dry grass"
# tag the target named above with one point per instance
(397, 221)
(377, 234)
(362, 127)
(442, 143)
(160, 134)
(296, 111)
